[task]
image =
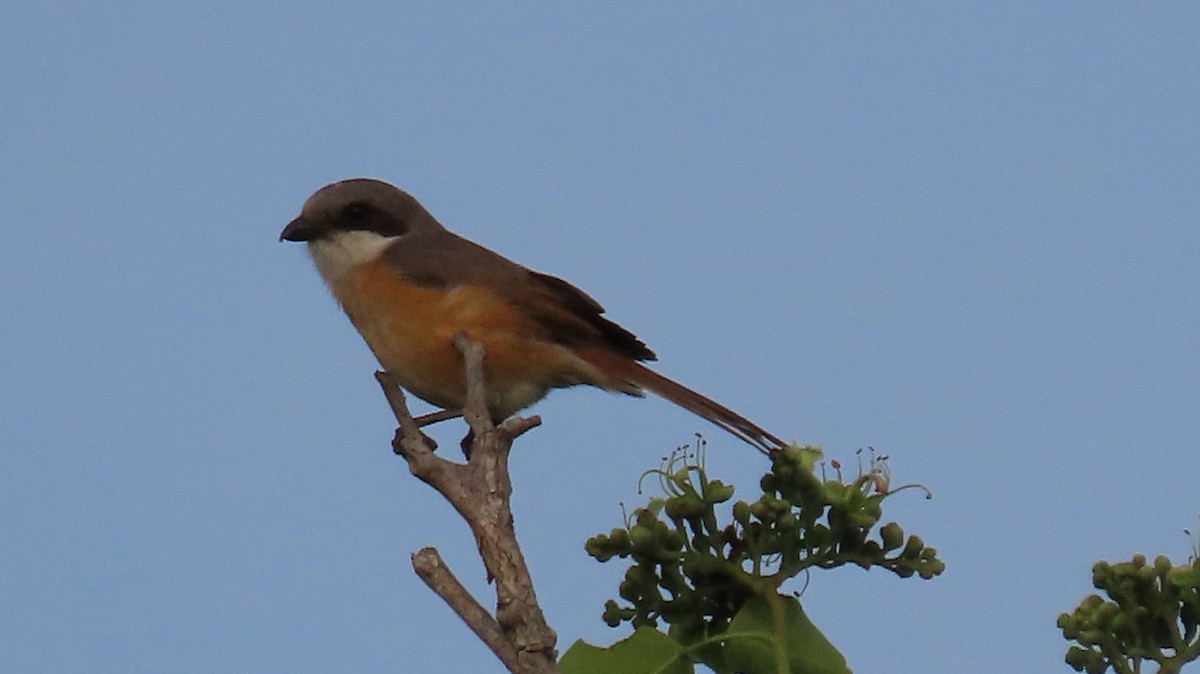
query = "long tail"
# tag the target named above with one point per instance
(635, 376)
(706, 408)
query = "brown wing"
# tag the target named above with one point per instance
(558, 311)
(575, 319)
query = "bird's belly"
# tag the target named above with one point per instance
(410, 329)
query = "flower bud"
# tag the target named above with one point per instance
(892, 536)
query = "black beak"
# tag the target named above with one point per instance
(300, 230)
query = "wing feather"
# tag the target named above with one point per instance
(558, 312)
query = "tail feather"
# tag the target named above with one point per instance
(637, 374)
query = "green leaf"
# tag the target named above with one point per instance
(772, 635)
(646, 651)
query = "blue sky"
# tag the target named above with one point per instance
(965, 235)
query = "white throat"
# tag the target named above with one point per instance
(338, 255)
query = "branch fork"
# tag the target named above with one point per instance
(480, 490)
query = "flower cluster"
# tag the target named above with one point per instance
(694, 572)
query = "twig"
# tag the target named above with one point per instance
(435, 417)
(480, 490)
(475, 411)
(429, 566)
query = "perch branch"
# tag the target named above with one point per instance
(480, 490)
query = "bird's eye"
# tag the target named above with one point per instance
(356, 212)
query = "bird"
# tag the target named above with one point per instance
(409, 286)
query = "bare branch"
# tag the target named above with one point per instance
(429, 566)
(476, 411)
(409, 431)
(435, 417)
(481, 491)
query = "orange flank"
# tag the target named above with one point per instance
(410, 328)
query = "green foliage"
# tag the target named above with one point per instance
(646, 650)
(717, 585)
(769, 634)
(1153, 613)
(772, 634)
